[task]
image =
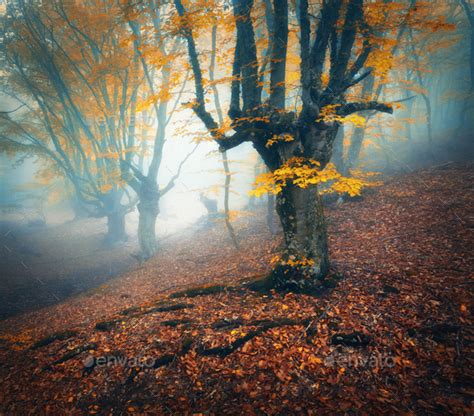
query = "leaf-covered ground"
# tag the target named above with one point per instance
(393, 336)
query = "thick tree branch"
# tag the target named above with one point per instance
(234, 108)
(200, 106)
(360, 60)
(305, 36)
(350, 108)
(227, 143)
(247, 54)
(357, 80)
(339, 67)
(278, 56)
(329, 16)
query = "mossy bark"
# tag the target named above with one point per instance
(305, 260)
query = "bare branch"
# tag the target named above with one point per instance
(200, 106)
(12, 111)
(350, 108)
(170, 185)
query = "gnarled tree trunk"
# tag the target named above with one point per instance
(312, 136)
(305, 260)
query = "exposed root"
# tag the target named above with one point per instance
(106, 325)
(262, 326)
(58, 336)
(175, 322)
(71, 354)
(159, 307)
(161, 361)
(201, 290)
(355, 339)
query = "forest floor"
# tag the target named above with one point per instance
(391, 334)
(41, 266)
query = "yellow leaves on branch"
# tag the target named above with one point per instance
(163, 95)
(328, 114)
(110, 179)
(106, 188)
(304, 173)
(279, 138)
(293, 261)
(381, 60)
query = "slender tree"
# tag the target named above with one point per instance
(149, 42)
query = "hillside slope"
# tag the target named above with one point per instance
(391, 333)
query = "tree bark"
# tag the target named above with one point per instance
(305, 261)
(116, 227)
(148, 210)
(115, 213)
(270, 213)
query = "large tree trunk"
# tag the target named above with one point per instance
(148, 210)
(116, 227)
(270, 212)
(305, 261)
(115, 213)
(78, 208)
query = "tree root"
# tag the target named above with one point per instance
(106, 325)
(262, 326)
(223, 351)
(161, 361)
(175, 322)
(355, 339)
(137, 311)
(200, 291)
(58, 336)
(167, 308)
(71, 354)
(159, 307)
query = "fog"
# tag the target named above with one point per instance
(430, 126)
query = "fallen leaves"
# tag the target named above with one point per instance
(405, 262)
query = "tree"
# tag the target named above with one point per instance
(295, 145)
(469, 13)
(78, 89)
(87, 75)
(156, 52)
